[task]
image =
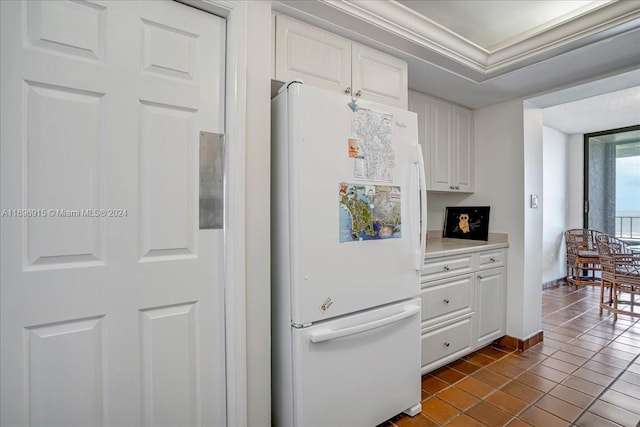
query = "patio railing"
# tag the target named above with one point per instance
(627, 227)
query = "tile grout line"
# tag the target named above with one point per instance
(608, 387)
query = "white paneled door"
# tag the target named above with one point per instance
(111, 299)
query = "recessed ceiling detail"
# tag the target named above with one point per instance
(546, 37)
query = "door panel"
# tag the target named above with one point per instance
(112, 298)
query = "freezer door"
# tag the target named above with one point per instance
(359, 370)
(333, 274)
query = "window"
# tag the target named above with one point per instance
(612, 177)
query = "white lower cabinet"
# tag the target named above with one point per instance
(463, 305)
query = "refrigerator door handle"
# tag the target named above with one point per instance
(326, 335)
(423, 211)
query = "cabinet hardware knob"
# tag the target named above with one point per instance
(446, 268)
(348, 90)
(451, 187)
(457, 187)
(447, 344)
(359, 93)
(446, 300)
(480, 277)
(492, 259)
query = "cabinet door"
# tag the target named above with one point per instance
(418, 104)
(463, 170)
(440, 145)
(314, 56)
(490, 305)
(379, 77)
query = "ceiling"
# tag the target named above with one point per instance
(478, 53)
(611, 110)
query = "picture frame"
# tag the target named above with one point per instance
(466, 222)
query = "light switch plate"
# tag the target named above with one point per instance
(534, 201)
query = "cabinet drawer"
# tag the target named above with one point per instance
(445, 343)
(491, 259)
(447, 299)
(439, 268)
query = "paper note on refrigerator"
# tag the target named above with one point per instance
(369, 212)
(373, 131)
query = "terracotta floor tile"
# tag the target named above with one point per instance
(548, 373)
(626, 388)
(458, 398)
(624, 401)
(629, 341)
(559, 365)
(506, 402)
(615, 414)
(610, 360)
(464, 421)
(596, 340)
(521, 391)
(543, 349)
(488, 415)
(417, 421)
(492, 378)
(505, 369)
(619, 354)
(559, 408)
(569, 358)
(602, 368)
(541, 418)
(438, 410)
(475, 387)
(593, 376)
(583, 386)
(518, 423)
(572, 396)
(631, 377)
(448, 375)
(578, 351)
(432, 384)
(519, 362)
(493, 352)
(589, 345)
(478, 359)
(589, 419)
(536, 382)
(463, 366)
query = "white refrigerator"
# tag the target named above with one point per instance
(348, 235)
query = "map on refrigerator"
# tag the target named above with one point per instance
(372, 130)
(369, 212)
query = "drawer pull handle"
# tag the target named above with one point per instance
(446, 300)
(492, 259)
(447, 344)
(446, 268)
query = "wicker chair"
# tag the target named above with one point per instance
(583, 264)
(620, 271)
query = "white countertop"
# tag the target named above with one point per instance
(438, 246)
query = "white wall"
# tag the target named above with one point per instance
(555, 203)
(500, 183)
(531, 303)
(258, 272)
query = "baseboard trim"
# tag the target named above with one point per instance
(554, 283)
(513, 343)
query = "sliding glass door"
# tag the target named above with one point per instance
(612, 182)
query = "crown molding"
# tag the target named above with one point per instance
(595, 25)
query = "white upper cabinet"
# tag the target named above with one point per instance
(322, 59)
(446, 135)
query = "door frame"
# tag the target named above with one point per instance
(236, 14)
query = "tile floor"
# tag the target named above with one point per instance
(585, 373)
